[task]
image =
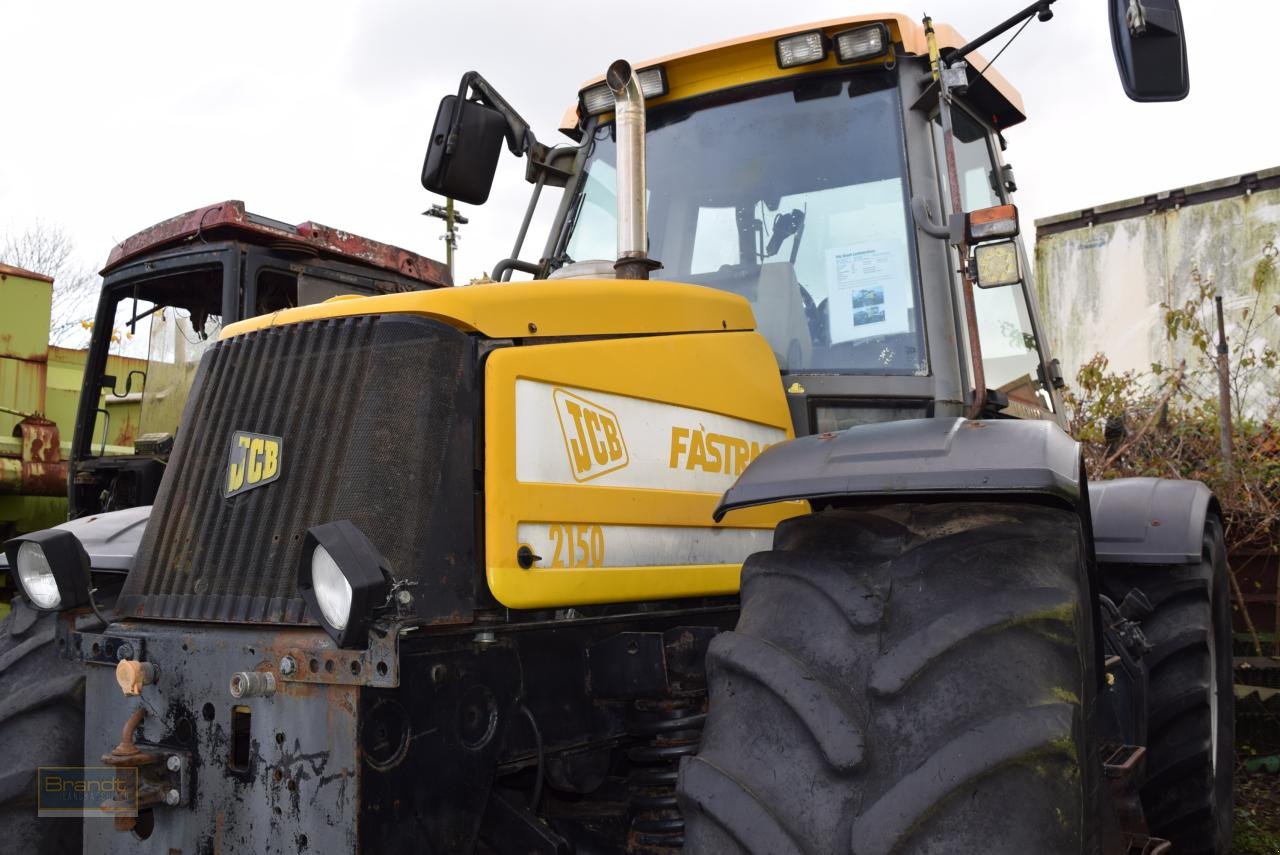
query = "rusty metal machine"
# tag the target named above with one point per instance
(746, 525)
(174, 285)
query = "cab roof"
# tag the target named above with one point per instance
(230, 219)
(751, 59)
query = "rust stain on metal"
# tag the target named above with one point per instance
(311, 237)
(40, 471)
(44, 479)
(126, 433)
(9, 270)
(127, 755)
(41, 442)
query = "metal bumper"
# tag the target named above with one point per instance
(275, 769)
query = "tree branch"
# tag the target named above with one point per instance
(1174, 381)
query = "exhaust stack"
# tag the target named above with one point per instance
(633, 228)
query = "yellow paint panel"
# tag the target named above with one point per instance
(538, 309)
(731, 376)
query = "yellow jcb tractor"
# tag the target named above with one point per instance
(747, 525)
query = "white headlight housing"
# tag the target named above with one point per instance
(333, 591)
(36, 577)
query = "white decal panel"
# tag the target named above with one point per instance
(566, 435)
(585, 546)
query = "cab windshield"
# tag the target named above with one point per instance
(152, 359)
(793, 196)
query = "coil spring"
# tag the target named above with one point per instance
(672, 729)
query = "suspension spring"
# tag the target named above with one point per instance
(670, 729)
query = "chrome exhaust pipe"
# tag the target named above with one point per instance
(633, 227)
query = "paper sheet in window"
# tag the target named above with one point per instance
(869, 291)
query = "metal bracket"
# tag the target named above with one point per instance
(955, 78)
(164, 774)
(104, 648)
(377, 665)
(1123, 761)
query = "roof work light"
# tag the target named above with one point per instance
(801, 49)
(599, 99)
(861, 43)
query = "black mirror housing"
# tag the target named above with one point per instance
(466, 172)
(1150, 47)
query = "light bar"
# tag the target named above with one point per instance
(861, 43)
(801, 49)
(599, 99)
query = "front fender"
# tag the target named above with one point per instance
(916, 457)
(111, 539)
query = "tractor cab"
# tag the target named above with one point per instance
(845, 178)
(167, 293)
(793, 189)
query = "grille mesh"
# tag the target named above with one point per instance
(368, 411)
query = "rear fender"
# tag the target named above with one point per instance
(1150, 520)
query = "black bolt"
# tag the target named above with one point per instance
(525, 557)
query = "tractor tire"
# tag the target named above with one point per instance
(911, 678)
(41, 724)
(1190, 703)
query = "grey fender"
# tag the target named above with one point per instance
(915, 457)
(1149, 520)
(111, 539)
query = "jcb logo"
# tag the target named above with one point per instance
(592, 436)
(253, 462)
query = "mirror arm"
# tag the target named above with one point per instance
(1040, 8)
(953, 231)
(520, 137)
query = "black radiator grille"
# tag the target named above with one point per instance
(370, 411)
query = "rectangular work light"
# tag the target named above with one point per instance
(599, 99)
(997, 264)
(862, 43)
(342, 578)
(801, 49)
(51, 567)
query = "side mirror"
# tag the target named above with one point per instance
(462, 155)
(1150, 48)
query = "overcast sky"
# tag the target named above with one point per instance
(116, 115)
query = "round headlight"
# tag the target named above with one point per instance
(37, 576)
(333, 591)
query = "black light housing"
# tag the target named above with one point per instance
(359, 564)
(66, 560)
